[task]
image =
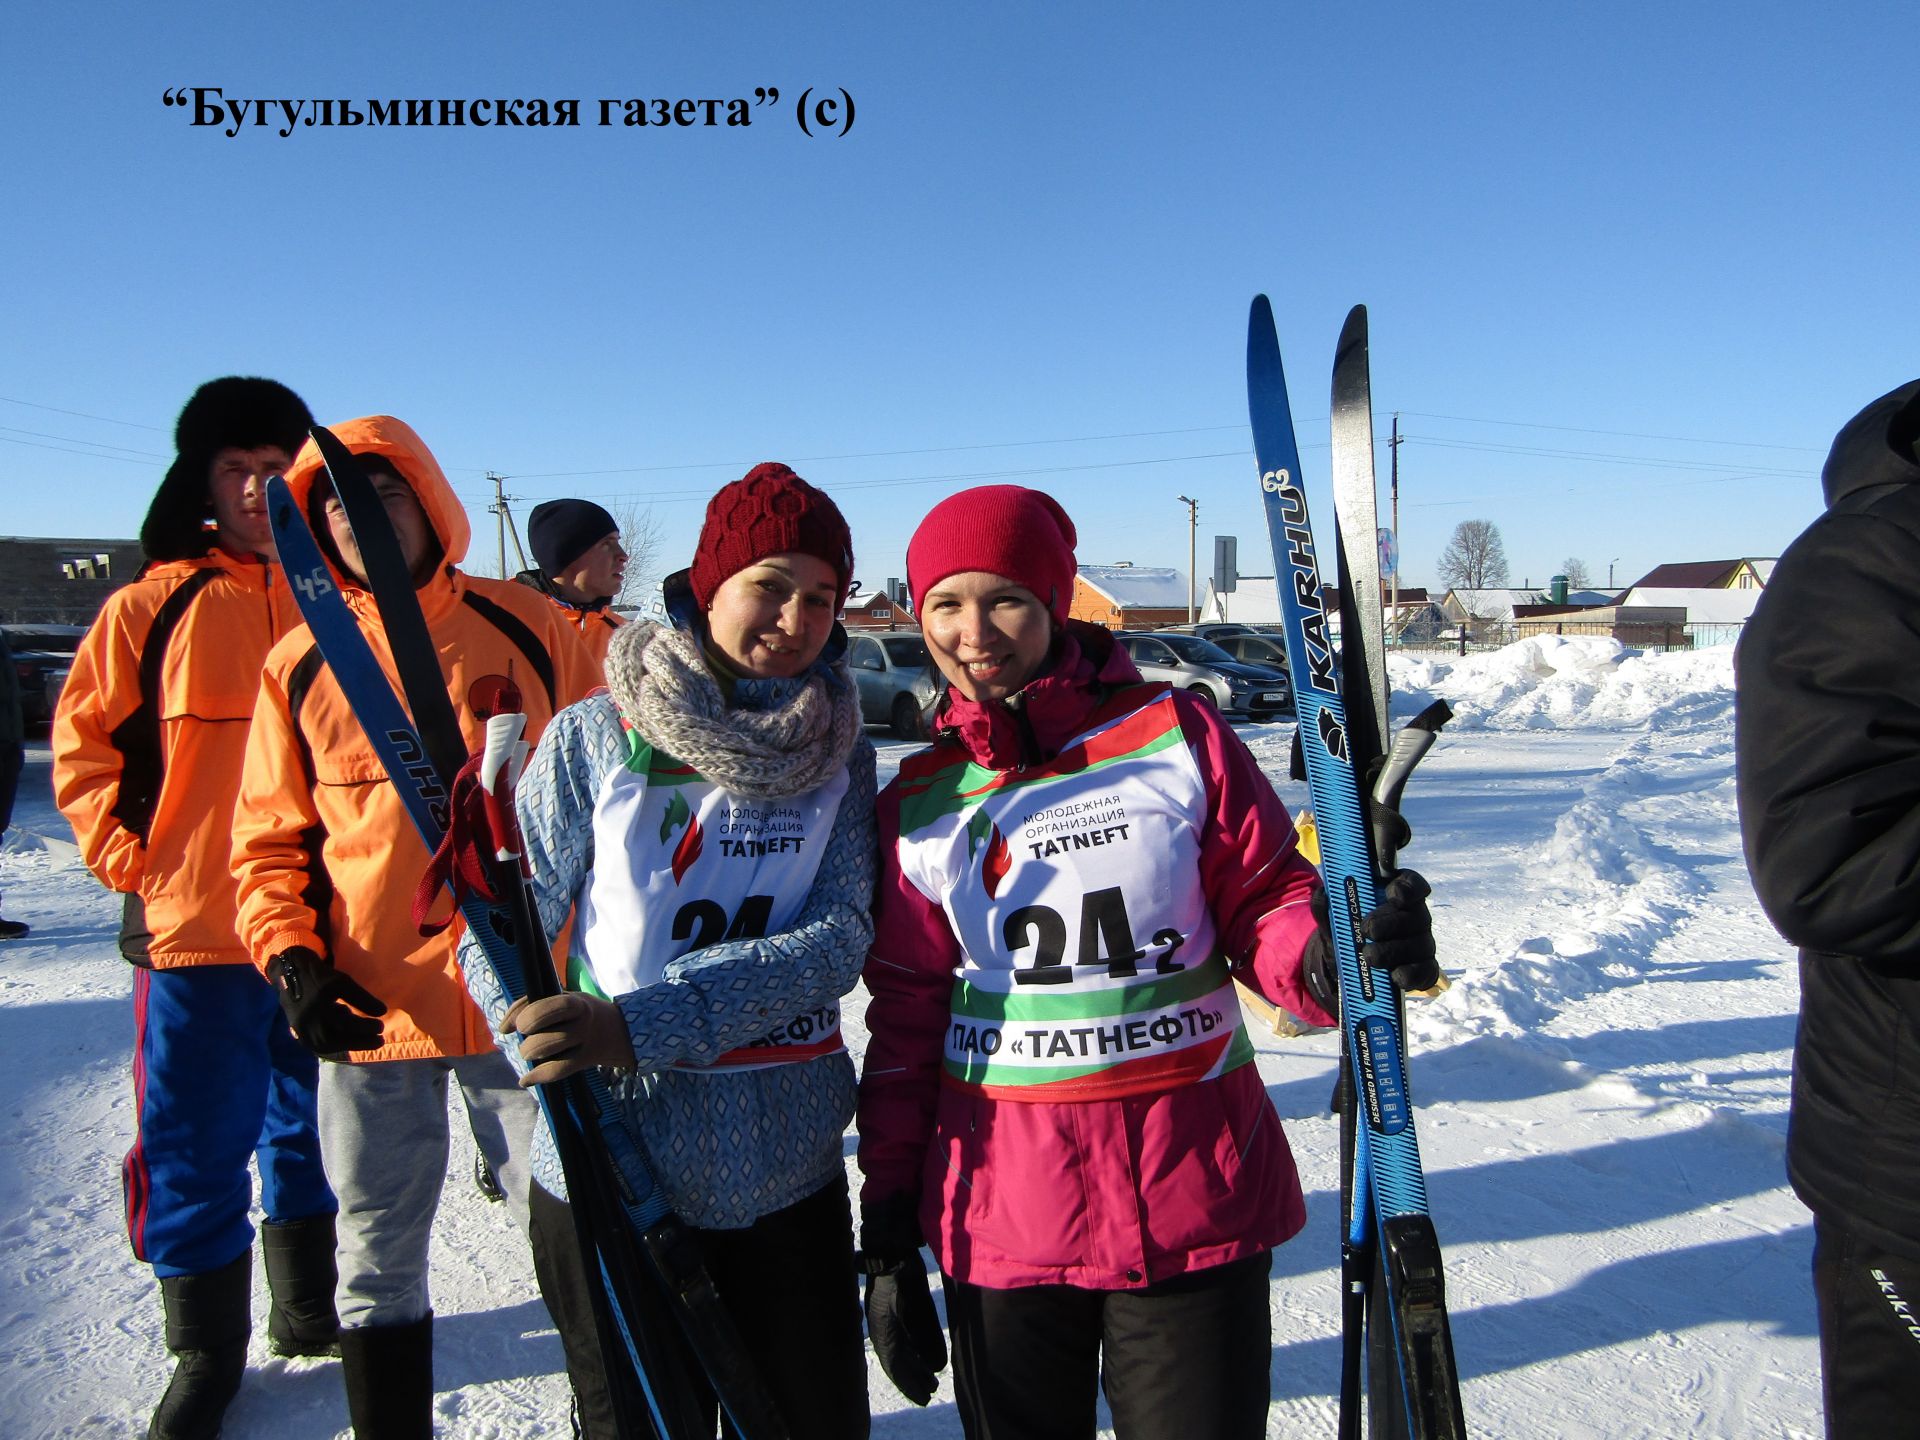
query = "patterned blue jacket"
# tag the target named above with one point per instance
(728, 1146)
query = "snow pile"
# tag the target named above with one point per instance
(1556, 682)
(1635, 776)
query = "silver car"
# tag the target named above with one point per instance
(895, 676)
(1202, 667)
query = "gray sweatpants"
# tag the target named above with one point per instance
(383, 1140)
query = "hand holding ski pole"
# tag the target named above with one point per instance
(561, 1034)
(565, 1034)
(1397, 936)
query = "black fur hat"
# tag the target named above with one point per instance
(241, 412)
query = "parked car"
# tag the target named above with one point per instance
(895, 676)
(42, 655)
(1203, 667)
(1208, 629)
(1268, 651)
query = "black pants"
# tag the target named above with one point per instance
(788, 1285)
(1185, 1359)
(13, 757)
(1869, 1303)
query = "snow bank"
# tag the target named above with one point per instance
(1639, 819)
(1552, 682)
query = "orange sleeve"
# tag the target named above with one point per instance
(102, 691)
(271, 825)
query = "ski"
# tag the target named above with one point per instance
(627, 1230)
(1391, 1232)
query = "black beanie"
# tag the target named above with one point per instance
(240, 412)
(561, 531)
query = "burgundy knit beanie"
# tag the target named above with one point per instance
(768, 511)
(1004, 530)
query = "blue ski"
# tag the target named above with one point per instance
(1387, 1184)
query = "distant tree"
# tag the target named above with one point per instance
(1578, 576)
(640, 537)
(1475, 558)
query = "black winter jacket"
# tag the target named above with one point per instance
(1828, 741)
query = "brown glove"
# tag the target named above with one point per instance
(564, 1034)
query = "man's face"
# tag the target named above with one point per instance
(597, 574)
(411, 528)
(237, 489)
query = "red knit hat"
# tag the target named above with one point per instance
(1004, 530)
(768, 511)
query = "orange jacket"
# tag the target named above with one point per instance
(322, 847)
(595, 628)
(148, 743)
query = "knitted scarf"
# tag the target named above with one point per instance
(660, 680)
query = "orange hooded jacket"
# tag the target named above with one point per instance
(148, 742)
(323, 850)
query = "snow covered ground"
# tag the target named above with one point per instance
(1602, 1101)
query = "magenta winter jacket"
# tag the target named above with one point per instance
(1100, 1194)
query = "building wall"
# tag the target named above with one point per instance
(35, 586)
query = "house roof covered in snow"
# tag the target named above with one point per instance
(1145, 587)
(1705, 605)
(1492, 604)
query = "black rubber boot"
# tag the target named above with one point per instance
(389, 1374)
(301, 1276)
(208, 1321)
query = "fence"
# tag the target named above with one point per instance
(1482, 635)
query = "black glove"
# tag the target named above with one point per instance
(1397, 936)
(1399, 932)
(901, 1320)
(315, 997)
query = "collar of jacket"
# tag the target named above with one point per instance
(251, 570)
(437, 597)
(1031, 726)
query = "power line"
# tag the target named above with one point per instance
(1624, 434)
(1594, 456)
(90, 454)
(83, 415)
(76, 440)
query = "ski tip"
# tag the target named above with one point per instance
(1354, 331)
(1263, 336)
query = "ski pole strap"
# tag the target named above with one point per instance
(459, 862)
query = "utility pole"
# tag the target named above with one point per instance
(1393, 448)
(1193, 525)
(499, 508)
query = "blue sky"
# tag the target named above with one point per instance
(1629, 266)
